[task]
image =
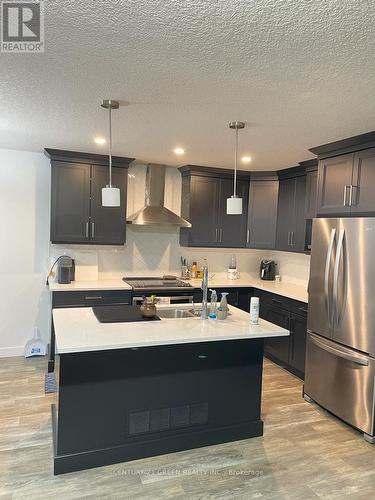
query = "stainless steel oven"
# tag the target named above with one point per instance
(172, 299)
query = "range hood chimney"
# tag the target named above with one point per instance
(154, 211)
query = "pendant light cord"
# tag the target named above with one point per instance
(110, 144)
(235, 165)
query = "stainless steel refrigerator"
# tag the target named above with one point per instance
(340, 353)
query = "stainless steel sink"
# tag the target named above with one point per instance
(175, 313)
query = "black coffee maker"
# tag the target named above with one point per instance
(66, 270)
(267, 270)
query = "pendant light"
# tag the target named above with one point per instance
(110, 194)
(234, 203)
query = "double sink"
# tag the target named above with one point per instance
(177, 312)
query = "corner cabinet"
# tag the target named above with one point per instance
(262, 213)
(203, 204)
(77, 215)
(291, 225)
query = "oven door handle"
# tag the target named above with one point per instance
(174, 298)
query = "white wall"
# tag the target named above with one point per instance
(24, 233)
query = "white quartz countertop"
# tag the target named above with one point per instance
(78, 330)
(284, 288)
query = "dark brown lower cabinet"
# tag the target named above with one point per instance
(288, 352)
(279, 347)
(298, 328)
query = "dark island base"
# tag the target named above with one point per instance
(126, 404)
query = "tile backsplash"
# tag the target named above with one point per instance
(156, 251)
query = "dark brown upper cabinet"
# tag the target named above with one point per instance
(262, 212)
(346, 177)
(311, 196)
(335, 178)
(203, 203)
(291, 225)
(361, 199)
(77, 215)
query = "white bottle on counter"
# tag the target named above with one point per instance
(254, 311)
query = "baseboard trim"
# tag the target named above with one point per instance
(11, 352)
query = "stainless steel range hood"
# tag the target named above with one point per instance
(154, 211)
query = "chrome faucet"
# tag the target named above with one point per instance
(204, 313)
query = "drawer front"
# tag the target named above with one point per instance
(90, 298)
(274, 300)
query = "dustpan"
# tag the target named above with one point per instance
(35, 346)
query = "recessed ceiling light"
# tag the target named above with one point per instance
(99, 140)
(246, 159)
(179, 151)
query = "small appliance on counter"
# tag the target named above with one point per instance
(65, 270)
(232, 273)
(267, 270)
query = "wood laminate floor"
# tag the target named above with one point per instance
(304, 453)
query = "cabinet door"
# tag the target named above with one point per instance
(204, 203)
(278, 348)
(362, 198)
(297, 238)
(70, 202)
(262, 214)
(232, 228)
(311, 194)
(298, 333)
(334, 179)
(285, 215)
(107, 224)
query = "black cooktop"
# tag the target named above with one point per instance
(154, 283)
(120, 314)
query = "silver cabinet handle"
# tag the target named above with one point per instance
(360, 360)
(86, 230)
(345, 192)
(221, 234)
(288, 238)
(216, 234)
(92, 229)
(248, 236)
(292, 239)
(351, 204)
(93, 297)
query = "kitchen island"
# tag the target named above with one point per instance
(133, 390)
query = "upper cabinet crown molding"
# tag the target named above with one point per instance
(309, 165)
(205, 171)
(81, 157)
(343, 146)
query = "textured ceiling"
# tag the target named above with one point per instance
(300, 73)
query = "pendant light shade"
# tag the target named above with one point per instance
(110, 194)
(234, 203)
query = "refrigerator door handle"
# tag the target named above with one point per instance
(326, 274)
(336, 273)
(360, 360)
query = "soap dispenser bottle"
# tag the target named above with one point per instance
(213, 305)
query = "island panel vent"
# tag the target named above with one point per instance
(162, 419)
